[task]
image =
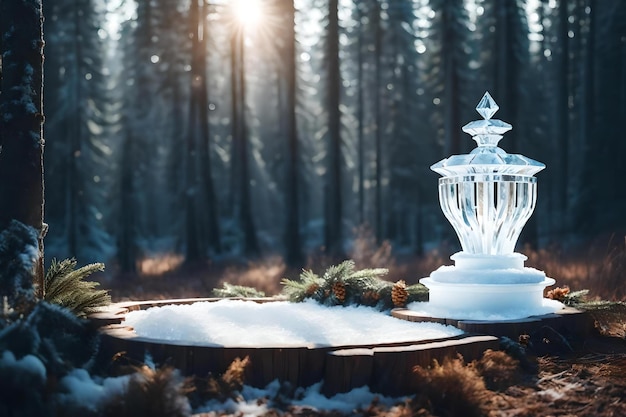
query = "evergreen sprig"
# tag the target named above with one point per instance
(236, 291)
(576, 297)
(417, 292)
(342, 284)
(66, 286)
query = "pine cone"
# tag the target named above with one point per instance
(558, 294)
(339, 290)
(399, 294)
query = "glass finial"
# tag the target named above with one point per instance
(487, 132)
(487, 107)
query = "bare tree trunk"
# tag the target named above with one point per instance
(21, 124)
(359, 116)
(202, 93)
(584, 208)
(126, 241)
(563, 109)
(333, 232)
(74, 156)
(194, 252)
(507, 66)
(240, 146)
(451, 82)
(378, 223)
(292, 174)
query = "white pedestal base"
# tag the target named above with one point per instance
(486, 297)
(489, 286)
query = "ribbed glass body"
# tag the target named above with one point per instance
(488, 211)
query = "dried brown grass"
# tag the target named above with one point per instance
(264, 275)
(498, 369)
(230, 383)
(598, 265)
(367, 253)
(451, 388)
(152, 392)
(159, 264)
(455, 388)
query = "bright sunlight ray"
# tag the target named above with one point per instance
(249, 13)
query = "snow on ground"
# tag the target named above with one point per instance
(426, 309)
(80, 388)
(237, 323)
(310, 398)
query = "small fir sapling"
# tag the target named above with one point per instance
(37, 351)
(53, 334)
(18, 258)
(23, 386)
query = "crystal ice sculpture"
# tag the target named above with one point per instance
(487, 196)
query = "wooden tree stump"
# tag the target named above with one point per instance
(385, 368)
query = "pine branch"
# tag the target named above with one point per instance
(417, 292)
(71, 279)
(294, 290)
(342, 285)
(576, 297)
(339, 272)
(369, 273)
(58, 269)
(230, 291)
(66, 287)
(308, 276)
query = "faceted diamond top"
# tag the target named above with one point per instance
(487, 107)
(487, 132)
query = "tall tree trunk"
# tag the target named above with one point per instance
(584, 208)
(507, 65)
(359, 116)
(240, 145)
(21, 124)
(74, 157)
(194, 251)
(202, 116)
(292, 175)
(176, 174)
(451, 81)
(378, 41)
(126, 241)
(563, 110)
(333, 235)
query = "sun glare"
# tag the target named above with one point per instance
(247, 12)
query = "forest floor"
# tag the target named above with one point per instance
(587, 380)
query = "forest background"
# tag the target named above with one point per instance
(220, 130)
